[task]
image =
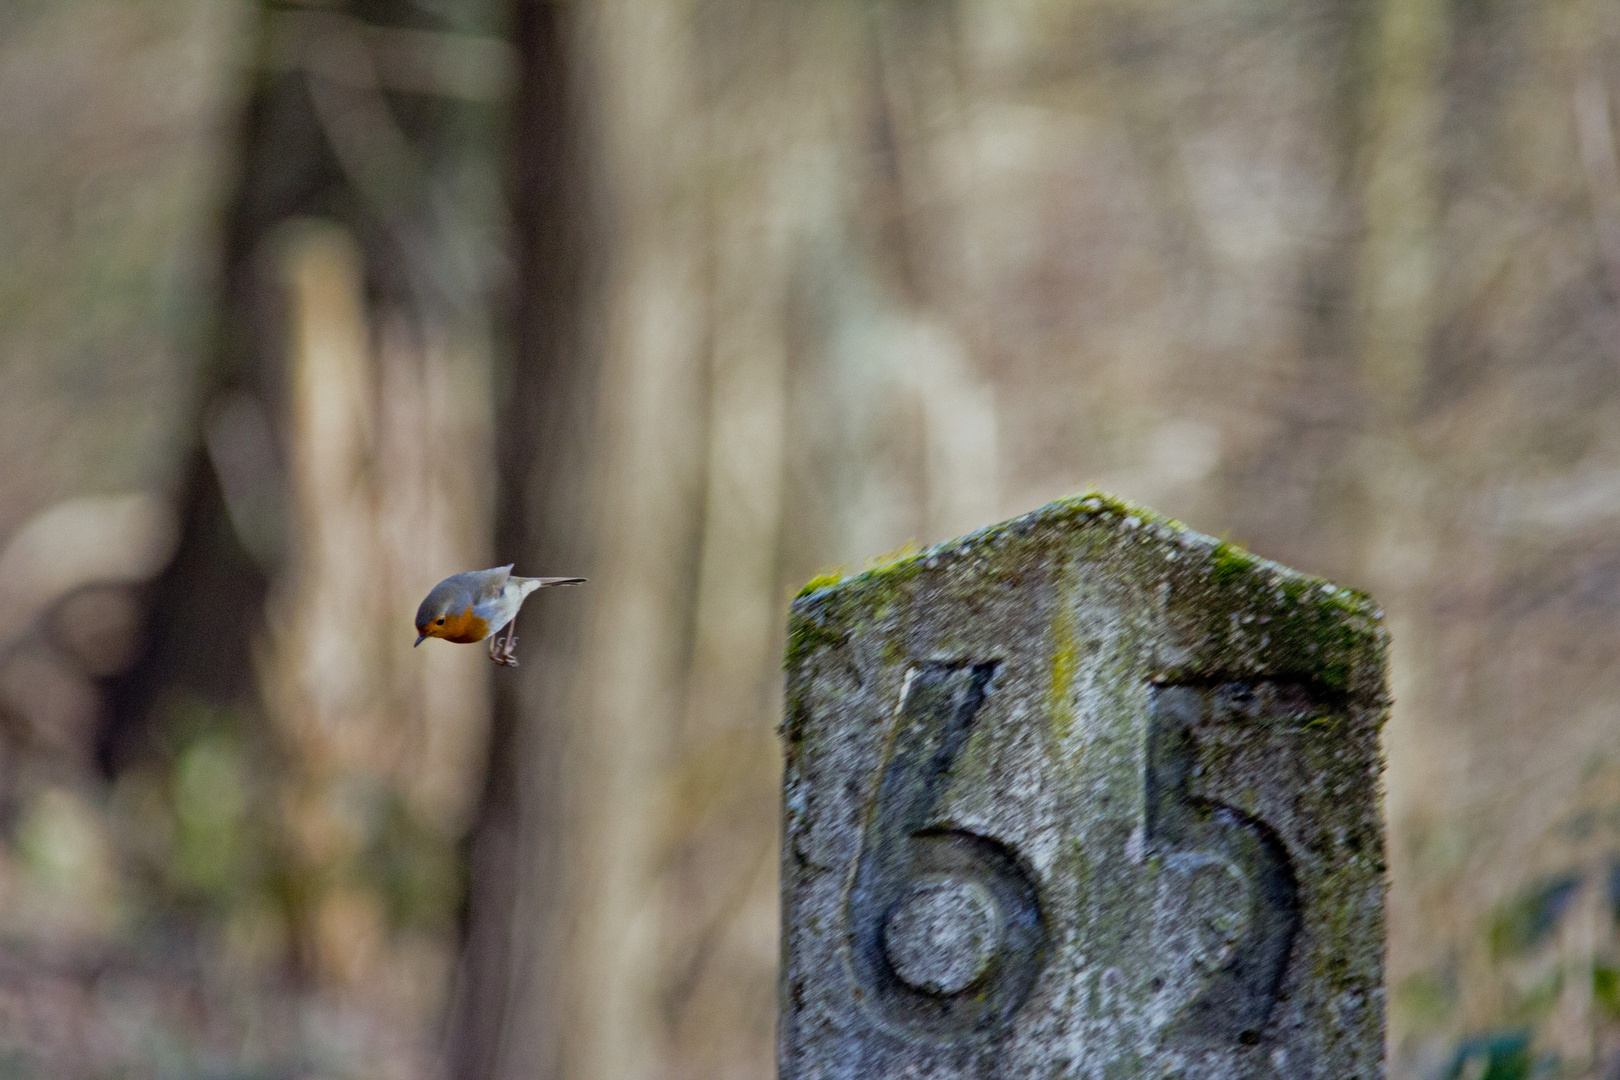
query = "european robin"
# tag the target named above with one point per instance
(470, 607)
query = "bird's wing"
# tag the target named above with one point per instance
(491, 582)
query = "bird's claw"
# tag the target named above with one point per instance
(503, 650)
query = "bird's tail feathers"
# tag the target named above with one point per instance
(530, 584)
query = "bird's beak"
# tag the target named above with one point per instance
(419, 639)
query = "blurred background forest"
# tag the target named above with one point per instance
(304, 306)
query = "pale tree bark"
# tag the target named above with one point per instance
(1398, 172)
(701, 385)
(507, 1015)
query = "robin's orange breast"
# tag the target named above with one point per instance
(464, 628)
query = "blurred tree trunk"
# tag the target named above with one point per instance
(1401, 493)
(343, 466)
(510, 1002)
(720, 383)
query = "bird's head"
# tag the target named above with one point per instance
(433, 614)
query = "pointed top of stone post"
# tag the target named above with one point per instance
(1085, 793)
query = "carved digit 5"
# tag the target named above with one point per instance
(1196, 834)
(945, 928)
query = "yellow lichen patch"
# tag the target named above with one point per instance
(825, 578)
(906, 549)
(1059, 701)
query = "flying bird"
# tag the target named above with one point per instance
(472, 606)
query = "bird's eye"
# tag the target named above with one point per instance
(441, 620)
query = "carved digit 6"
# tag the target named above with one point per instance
(1233, 1005)
(945, 928)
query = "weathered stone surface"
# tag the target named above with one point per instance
(1082, 794)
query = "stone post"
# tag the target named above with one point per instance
(1083, 794)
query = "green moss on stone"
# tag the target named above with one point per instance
(1254, 613)
(877, 570)
(1231, 562)
(807, 633)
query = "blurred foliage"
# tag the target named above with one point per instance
(214, 857)
(1529, 919)
(1545, 988)
(1497, 1056)
(1606, 990)
(1427, 1000)
(200, 828)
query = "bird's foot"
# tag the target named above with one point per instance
(503, 650)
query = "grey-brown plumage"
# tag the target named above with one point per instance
(474, 605)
